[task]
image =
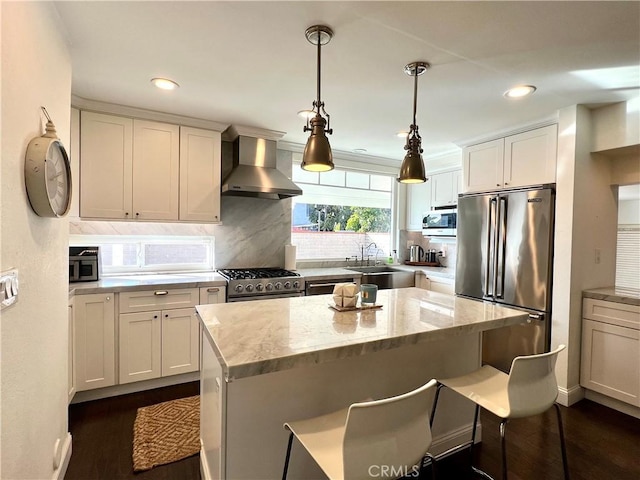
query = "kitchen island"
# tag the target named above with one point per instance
(270, 361)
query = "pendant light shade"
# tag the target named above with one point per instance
(412, 168)
(317, 156)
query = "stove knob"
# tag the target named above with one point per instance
(269, 287)
(296, 284)
(239, 288)
(259, 287)
(278, 286)
(287, 285)
(249, 288)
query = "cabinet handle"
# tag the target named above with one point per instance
(166, 315)
(161, 292)
(137, 214)
(506, 183)
(126, 214)
(213, 290)
(108, 298)
(155, 316)
(497, 184)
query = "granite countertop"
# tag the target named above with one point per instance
(613, 294)
(129, 283)
(252, 338)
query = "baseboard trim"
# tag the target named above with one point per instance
(452, 439)
(106, 392)
(612, 403)
(61, 471)
(567, 397)
(205, 473)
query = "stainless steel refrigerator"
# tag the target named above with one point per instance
(505, 255)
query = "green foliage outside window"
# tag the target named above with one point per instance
(357, 219)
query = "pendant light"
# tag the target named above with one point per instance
(317, 156)
(412, 168)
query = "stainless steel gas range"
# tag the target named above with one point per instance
(244, 284)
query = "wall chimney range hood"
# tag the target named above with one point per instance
(254, 172)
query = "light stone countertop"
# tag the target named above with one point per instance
(613, 294)
(130, 283)
(257, 337)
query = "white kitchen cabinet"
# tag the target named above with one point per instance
(106, 159)
(418, 203)
(436, 284)
(144, 170)
(71, 361)
(199, 175)
(445, 188)
(210, 295)
(524, 159)
(611, 349)
(159, 334)
(94, 329)
(156, 154)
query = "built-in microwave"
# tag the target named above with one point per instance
(440, 223)
(83, 264)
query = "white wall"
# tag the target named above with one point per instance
(586, 221)
(36, 71)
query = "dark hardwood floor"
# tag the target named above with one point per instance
(602, 444)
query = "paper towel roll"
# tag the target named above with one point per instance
(290, 257)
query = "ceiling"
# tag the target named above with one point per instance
(249, 63)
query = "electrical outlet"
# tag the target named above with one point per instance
(597, 256)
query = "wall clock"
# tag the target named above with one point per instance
(47, 174)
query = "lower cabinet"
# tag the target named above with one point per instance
(436, 284)
(160, 342)
(611, 349)
(210, 295)
(94, 345)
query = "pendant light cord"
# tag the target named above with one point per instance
(319, 60)
(415, 97)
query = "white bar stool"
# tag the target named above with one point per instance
(530, 389)
(386, 438)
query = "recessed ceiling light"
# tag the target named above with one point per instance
(164, 83)
(359, 150)
(306, 114)
(520, 91)
(402, 134)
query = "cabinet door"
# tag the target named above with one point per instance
(209, 295)
(418, 203)
(444, 189)
(180, 341)
(140, 347)
(71, 360)
(155, 170)
(94, 322)
(483, 166)
(530, 157)
(457, 185)
(199, 175)
(106, 154)
(611, 361)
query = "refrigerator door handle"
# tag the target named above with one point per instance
(500, 249)
(490, 274)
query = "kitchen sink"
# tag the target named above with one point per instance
(385, 277)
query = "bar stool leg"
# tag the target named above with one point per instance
(563, 447)
(435, 403)
(286, 460)
(503, 443)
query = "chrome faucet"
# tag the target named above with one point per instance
(363, 248)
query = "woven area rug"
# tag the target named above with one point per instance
(166, 432)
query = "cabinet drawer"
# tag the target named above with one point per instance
(611, 312)
(158, 299)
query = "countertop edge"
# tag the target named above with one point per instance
(611, 294)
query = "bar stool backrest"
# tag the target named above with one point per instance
(386, 438)
(532, 386)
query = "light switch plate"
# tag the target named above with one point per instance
(8, 287)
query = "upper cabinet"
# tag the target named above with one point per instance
(445, 188)
(418, 203)
(527, 158)
(144, 170)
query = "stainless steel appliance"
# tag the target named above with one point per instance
(246, 284)
(84, 264)
(440, 223)
(326, 285)
(416, 253)
(505, 251)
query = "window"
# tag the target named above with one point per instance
(147, 253)
(341, 213)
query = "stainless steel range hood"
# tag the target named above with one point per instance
(254, 172)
